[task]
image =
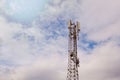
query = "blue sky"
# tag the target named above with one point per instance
(24, 10)
(34, 39)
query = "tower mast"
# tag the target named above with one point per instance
(73, 60)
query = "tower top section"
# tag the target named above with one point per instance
(77, 24)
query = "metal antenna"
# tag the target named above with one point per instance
(73, 61)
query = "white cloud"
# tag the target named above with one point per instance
(103, 12)
(15, 43)
(2, 4)
(5, 73)
(7, 29)
(109, 32)
(103, 63)
(18, 52)
(45, 68)
(99, 20)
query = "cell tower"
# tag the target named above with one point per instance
(73, 60)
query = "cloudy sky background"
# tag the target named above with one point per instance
(34, 36)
